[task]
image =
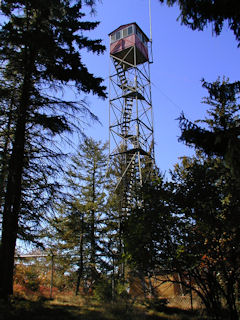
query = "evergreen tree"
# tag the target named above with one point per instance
(6, 119)
(39, 48)
(221, 137)
(190, 227)
(199, 14)
(207, 200)
(149, 230)
(125, 190)
(78, 225)
(194, 219)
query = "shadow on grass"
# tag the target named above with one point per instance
(182, 312)
(26, 310)
(21, 309)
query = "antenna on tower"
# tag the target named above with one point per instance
(150, 22)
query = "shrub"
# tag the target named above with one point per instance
(157, 304)
(103, 290)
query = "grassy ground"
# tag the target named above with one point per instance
(70, 308)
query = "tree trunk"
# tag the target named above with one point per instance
(11, 209)
(4, 160)
(231, 302)
(80, 269)
(92, 232)
(13, 193)
(93, 249)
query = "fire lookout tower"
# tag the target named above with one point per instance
(130, 104)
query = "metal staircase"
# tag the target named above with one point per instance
(121, 74)
(133, 149)
(129, 183)
(127, 114)
(129, 162)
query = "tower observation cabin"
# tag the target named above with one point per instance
(129, 36)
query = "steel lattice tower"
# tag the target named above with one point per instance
(130, 109)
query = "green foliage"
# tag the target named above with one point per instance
(206, 198)
(199, 14)
(149, 230)
(28, 277)
(190, 225)
(107, 289)
(221, 138)
(77, 231)
(158, 304)
(40, 50)
(122, 291)
(103, 290)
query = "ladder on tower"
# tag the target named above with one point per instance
(129, 182)
(127, 115)
(121, 74)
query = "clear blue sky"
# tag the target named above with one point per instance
(182, 57)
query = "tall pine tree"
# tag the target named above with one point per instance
(40, 43)
(78, 225)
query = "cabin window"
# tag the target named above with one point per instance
(144, 40)
(113, 37)
(139, 34)
(118, 35)
(130, 30)
(125, 33)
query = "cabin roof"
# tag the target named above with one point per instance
(127, 25)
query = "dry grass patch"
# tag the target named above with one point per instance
(86, 308)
